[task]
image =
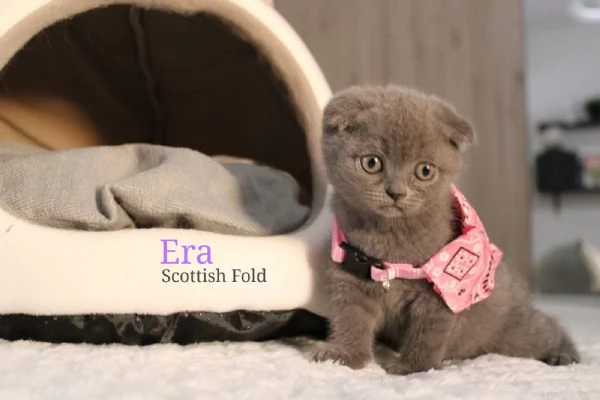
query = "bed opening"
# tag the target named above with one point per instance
(123, 74)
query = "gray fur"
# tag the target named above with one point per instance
(405, 127)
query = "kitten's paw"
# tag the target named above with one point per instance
(354, 360)
(401, 367)
(562, 358)
(397, 368)
(565, 354)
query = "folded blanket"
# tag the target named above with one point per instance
(143, 186)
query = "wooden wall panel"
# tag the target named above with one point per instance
(467, 51)
(343, 35)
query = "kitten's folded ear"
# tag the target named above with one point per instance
(340, 114)
(460, 133)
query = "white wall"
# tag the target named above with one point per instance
(562, 71)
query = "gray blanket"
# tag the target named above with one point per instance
(141, 186)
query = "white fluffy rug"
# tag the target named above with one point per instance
(282, 371)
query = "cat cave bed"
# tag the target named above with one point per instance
(221, 77)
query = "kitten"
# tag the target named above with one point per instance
(392, 155)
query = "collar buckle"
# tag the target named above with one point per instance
(358, 263)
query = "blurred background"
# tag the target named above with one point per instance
(562, 64)
(527, 74)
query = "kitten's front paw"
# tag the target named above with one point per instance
(354, 360)
(396, 368)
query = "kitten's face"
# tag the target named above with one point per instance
(392, 151)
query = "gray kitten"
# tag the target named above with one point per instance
(391, 155)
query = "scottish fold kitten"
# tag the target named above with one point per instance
(392, 155)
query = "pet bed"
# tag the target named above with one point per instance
(220, 77)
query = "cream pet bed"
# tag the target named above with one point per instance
(79, 73)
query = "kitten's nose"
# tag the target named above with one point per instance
(396, 194)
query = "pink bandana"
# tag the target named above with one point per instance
(462, 272)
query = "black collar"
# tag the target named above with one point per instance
(358, 263)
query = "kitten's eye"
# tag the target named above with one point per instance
(371, 164)
(425, 171)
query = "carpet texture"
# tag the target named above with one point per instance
(282, 370)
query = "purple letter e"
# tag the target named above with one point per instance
(166, 251)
